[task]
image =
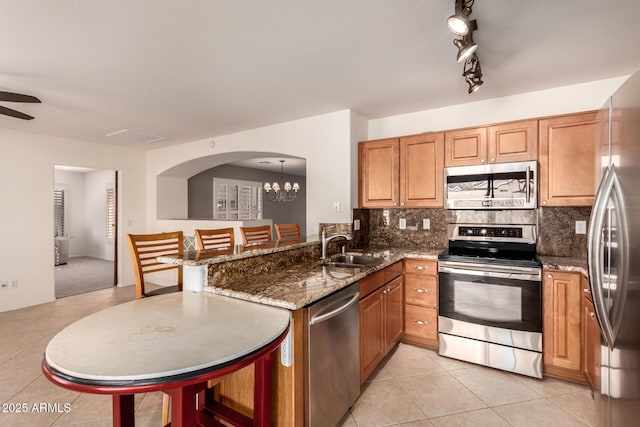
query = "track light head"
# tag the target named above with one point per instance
(473, 73)
(458, 23)
(466, 47)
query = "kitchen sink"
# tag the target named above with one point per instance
(356, 260)
(334, 264)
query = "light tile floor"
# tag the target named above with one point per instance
(413, 387)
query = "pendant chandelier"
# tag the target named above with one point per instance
(286, 193)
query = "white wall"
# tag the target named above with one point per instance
(26, 173)
(325, 141)
(562, 100)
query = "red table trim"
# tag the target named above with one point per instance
(184, 392)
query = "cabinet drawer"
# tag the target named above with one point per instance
(419, 290)
(393, 271)
(422, 267)
(371, 283)
(421, 322)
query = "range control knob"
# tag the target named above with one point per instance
(483, 231)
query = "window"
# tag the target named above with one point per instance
(236, 199)
(58, 212)
(111, 213)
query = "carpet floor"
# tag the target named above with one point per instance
(83, 274)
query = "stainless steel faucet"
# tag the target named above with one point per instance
(326, 240)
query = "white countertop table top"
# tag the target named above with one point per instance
(161, 338)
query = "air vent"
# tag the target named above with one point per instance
(128, 135)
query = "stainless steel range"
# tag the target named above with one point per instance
(490, 297)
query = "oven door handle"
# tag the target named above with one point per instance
(492, 272)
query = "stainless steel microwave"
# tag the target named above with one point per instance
(494, 186)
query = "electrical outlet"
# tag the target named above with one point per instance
(336, 207)
(581, 227)
(426, 223)
(4, 285)
(356, 224)
(403, 224)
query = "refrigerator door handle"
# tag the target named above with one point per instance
(610, 186)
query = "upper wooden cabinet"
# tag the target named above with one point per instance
(507, 142)
(402, 172)
(567, 160)
(378, 173)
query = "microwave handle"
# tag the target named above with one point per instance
(526, 183)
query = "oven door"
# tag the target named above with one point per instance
(505, 297)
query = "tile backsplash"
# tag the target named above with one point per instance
(556, 227)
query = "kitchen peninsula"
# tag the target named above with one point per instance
(294, 278)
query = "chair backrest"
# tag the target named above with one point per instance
(145, 248)
(288, 231)
(219, 238)
(259, 234)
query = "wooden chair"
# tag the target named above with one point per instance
(288, 231)
(144, 250)
(220, 238)
(259, 234)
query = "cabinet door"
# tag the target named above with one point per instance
(513, 142)
(567, 160)
(465, 147)
(421, 164)
(378, 173)
(562, 312)
(372, 342)
(394, 322)
(591, 340)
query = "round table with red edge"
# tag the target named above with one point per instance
(173, 343)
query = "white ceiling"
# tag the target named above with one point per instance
(192, 69)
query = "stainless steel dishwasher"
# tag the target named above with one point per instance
(334, 357)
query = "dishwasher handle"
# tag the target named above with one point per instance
(333, 313)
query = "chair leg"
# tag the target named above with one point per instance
(166, 404)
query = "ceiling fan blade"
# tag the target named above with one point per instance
(13, 113)
(18, 97)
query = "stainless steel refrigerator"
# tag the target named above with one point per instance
(614, 257)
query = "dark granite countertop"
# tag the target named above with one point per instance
(302, 284)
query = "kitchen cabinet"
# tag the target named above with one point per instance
(562, 318)
(381, 316)
(590, 338)
(401, 172)
(500, 143)
(421, 302)
(567, 160)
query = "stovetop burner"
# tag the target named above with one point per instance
(513, 245)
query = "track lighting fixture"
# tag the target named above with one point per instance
(459, 22)
(472, 73)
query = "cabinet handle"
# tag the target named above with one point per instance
(482, 161)
(421, 322)
(493, 160)
(421, 267)
(421, 291)
(586, 290)
(549, 276)
(592, 314)
(544, 202)
(402, 204)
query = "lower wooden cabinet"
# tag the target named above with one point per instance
(590, 339)
(421, 302)
(562, 318)
(381, 317)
